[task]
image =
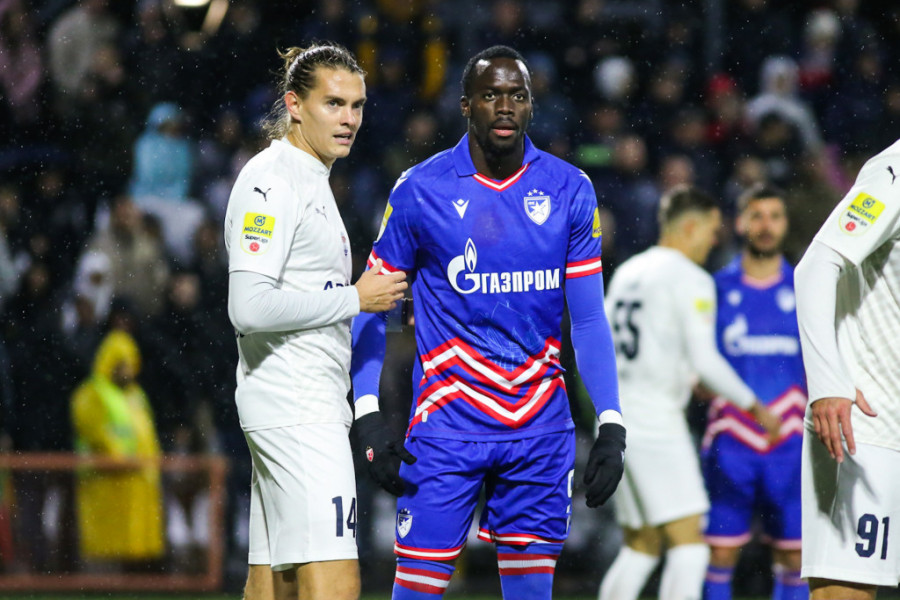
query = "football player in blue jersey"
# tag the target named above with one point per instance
(498, 237)
(757, 332)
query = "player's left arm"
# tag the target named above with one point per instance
(593, 344)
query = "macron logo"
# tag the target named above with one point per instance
(460, 206)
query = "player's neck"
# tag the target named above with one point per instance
(682, 244)
(760, 267)
(496, 166)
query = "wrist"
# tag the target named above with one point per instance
(610, 416)
(365, 405)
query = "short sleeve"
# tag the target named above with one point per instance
(584, 231)
(263, 219)
(869, 215)
(396, 242)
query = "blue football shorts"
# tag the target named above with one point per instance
(527, 487)
(743, 483)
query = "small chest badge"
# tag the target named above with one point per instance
(537, 206)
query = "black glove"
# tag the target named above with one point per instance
(605, 464)
(383, 454)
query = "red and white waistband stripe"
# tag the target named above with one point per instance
(499, 186)
(453, 387)
(427, 553)
(582, 268)
(725, 417)
(386, 268)
(525, 564)
(514, 539)
(456, 352)
(756, 440)
(421, 580)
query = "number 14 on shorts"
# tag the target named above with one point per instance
(338, 502)
(868, 529)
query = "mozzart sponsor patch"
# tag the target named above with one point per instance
(597, 230)
(257, 233)
(384, 220)
(861, 214)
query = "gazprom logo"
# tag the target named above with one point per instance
(738, 342)
(466, 280)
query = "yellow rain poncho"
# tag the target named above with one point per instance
(120, 514)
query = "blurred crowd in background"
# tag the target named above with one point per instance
(125, 123)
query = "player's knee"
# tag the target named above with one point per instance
(647, 540)
(684, 531)
(828, 589)
(790, 559)
(723, 556)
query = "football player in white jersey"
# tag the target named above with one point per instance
(848, 286)
(291, 302)
(662, 305)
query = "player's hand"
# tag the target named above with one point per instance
(377, 292)
(383, 453)
(767, 419)
(606, 464)
(831, 417)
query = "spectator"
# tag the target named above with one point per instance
(73, 42)
(854, 112)
(120, 511)
(21, 65)
(779, 94)
(164, 156)
(747, 22)
(628, 190)
(138, 266)
(727, 133)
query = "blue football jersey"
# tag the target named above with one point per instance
(757, 332)
(488, 260)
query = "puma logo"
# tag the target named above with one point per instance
(256, 189)
(893, 177)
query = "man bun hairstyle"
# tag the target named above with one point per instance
(758, 191)
(488, 54)
(681, 200)
(299, 76)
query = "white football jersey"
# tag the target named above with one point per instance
(865, 228)
(662, 309)
(282, 222)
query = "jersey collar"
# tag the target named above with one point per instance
(462, 158)
(308, 160)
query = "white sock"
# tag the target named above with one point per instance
(682, 577)
(627, 575)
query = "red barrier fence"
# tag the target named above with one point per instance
(213, 468)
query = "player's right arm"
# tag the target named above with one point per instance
(697, 306)
(831, 388)
(260, 233)
(393, 252)
(867, 217)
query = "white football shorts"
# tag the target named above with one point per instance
(851, 514)
(303, 495)
(662, 483)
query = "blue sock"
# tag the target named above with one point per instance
(717, 585)
(421, 579)
(526, 572)
(788, 585)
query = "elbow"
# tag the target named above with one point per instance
(243, 320)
